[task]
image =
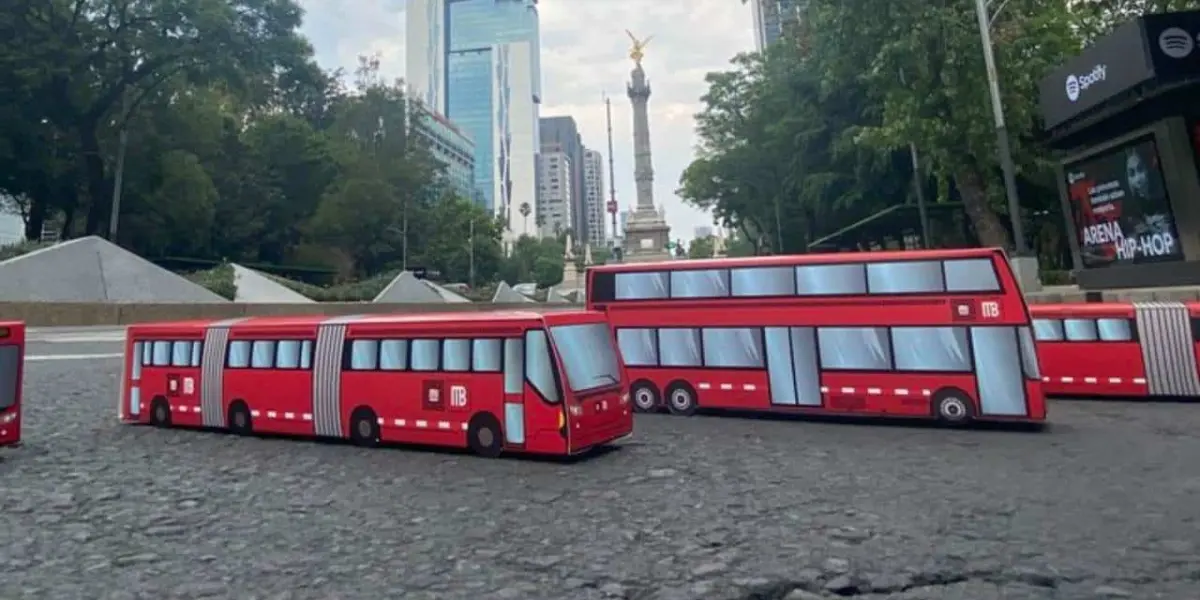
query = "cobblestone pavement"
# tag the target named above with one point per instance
(1102, 505)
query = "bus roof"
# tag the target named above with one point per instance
(801, 259)
(497, 316)
(1081, 310)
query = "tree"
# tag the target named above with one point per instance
(525, 210)
(534, 260)
(701, 247)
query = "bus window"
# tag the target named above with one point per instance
(197, 353)
(306, 352)
(1081, 330)
(393, 355)
(918, 276)
(828, 280)
(733, 348)
(364, 355)
(486, 356)
(931, 349)
(456, 356)
(181, 354)
(161, 354)
(700, 283)
(680, 347)
(262, 354)
(971, 275)
(239, 355)
(147, 354)
(763, 281)
(1048, 330)
(1114, 330)
(514, 366)
(539, 366)
(641, 286)
(587, 356)
(287, 354)
(10, 363)
(639, 347)
(1029, 362)
(854, 348)
(425, 355)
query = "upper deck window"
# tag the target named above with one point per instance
(826, 280)
(971, 275)
(706, 283)
(763, 281)
(641, 286)
(911, 277)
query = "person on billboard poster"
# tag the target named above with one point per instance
(1121, 208)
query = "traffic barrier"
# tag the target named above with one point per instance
(82, 314)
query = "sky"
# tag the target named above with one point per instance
(585, 55)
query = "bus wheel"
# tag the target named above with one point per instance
(160, 412)
(952, 406)
(645, 397)
(681, 399)
(484, 437)
(238, 419)
(364, 427)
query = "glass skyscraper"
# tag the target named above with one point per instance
(479, 61)
(770, 17)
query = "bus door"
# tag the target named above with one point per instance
(1001, 369)
(514, 392)
(133, 394)
(793, 367)
(12, 349)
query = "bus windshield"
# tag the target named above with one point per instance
(10, 363)
(587, 355)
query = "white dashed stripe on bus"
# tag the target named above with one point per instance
(291, 416)
(1095, 380)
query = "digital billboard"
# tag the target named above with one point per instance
(1120, 207)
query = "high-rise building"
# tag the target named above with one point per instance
(702, 231)
(770, 17)
(479, 61)
(593, 196)
(451, 147)
(554, 211)
(561, 134)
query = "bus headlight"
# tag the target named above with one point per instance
(562, 420)
(625, 398)
(5, 419)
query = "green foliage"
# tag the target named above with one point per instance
(534, 260)
(813, 134)
(701, 247)
(218, 280)
(15, 250)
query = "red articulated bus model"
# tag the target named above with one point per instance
(937, 334)
(1118, 349)
(490, 381)
(12, 360)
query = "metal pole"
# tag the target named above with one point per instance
(921, 210)
(612, 172)
(404, 236)
(1002, 143)
(471, 241)
(118, 180)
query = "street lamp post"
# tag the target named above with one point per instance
(1020, 249)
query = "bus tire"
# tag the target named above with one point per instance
(484, 436)
(645, 397)
(237, 420)
(681, 399)
(364, 427)
(952, 406)
(160, 412)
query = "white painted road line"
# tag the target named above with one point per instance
(72, 357)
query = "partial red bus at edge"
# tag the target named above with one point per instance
(495, 382)
(1119, 349)
(12, 360)
(916, 334)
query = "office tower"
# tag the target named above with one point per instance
(453, 148)
(480, 60)
(770, 17)
(593, 196)
(702, 231)
(554, 211)
(561, 134)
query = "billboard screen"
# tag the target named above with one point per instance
(1120, 207)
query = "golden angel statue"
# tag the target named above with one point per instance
(636, 52)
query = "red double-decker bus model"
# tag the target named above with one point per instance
(12, 360)
(936, 334)
(491, 381)
(1118, 349)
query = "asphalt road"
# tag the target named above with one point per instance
(1102, 505)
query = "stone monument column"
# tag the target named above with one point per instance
(646, 233)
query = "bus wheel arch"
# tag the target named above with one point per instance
(681, 398)
(160, 412)
(238, 418)
(646, 398)
(364, 426)
(952, 406)
(484, 435)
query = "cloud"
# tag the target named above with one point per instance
(585, 56)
